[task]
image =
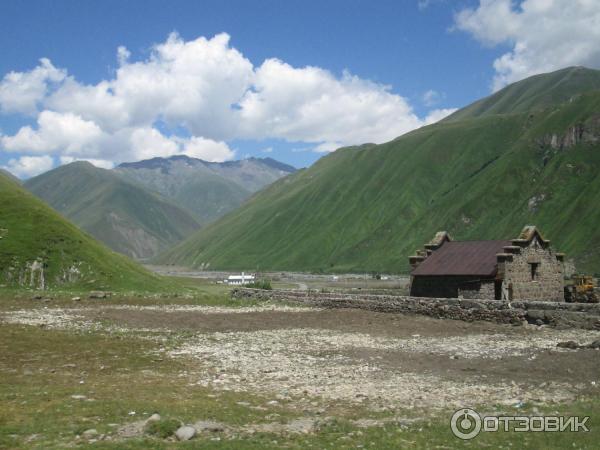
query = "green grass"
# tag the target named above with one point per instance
(162, 428)
(32, 231)
(368, 208)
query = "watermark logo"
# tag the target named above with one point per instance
(467, 423)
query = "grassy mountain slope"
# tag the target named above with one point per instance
(534, 93)
(37, 243)
(6, 173)
(124, 216)
(368, 208)
(206, 189)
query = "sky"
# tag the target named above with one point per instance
(115, 81)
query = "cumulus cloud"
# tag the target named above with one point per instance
(21, 92)
(545, 35)
(438, 114)
(432, 97)
(29, 166)
(66, 132)
(209, 93)
(102, 163)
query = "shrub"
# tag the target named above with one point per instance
(261, 284)
(162, 428)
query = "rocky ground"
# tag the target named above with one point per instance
(380, 360)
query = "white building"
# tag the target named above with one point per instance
(240, 279)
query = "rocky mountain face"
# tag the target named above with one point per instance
(528, 154)
(208, 190)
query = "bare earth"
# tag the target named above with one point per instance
(382, 361)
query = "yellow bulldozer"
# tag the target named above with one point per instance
(581, 289)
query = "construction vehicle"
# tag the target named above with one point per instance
(581, 289)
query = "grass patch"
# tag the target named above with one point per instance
(163, 428)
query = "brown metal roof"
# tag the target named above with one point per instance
(477, 258)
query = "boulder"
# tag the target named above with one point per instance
(185, 433)
(568, 344)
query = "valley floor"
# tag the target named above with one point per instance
(91, 373)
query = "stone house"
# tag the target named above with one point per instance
(525, 268)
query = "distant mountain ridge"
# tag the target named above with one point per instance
(123, 215)
(164, 163)
(528, 154)
(206, 189)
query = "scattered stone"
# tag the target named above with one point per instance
(89, 434)
(78, 397)
(595, 344)
(153, 418)
(185, 433)
(301, 426)
(568, 344)
(76, 299)
(209, 425)
(99, 294)
(133, 429)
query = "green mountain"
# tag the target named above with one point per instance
(529, 154)
(40, 249)
(124, 216)
(534, 93)
(6, 173)
(208, 190)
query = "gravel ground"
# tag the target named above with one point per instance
(382, 361)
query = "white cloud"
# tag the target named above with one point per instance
(149, 142)
(432, 97)
(206, 149)
(267, 150)
(20, 92)
(66, 133)
(29, 166)
(311, 105)
(210, 93)
(545, 35)
(438, 114)
(102, 163)
(327, 147)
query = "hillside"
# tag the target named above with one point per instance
(205, 189)
(6, 173)
(122, 215)
(40, 249)
(480, 177)
(534, 93)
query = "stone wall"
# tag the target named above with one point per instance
(560, 314)
(483, 289)
(548, 284)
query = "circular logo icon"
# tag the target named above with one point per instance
(465, 424)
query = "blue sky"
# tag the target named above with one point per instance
(378, 69)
